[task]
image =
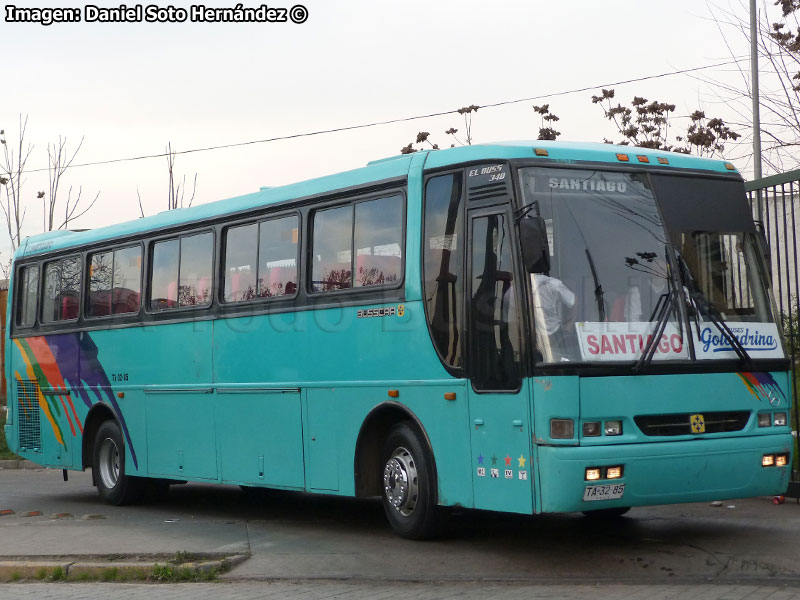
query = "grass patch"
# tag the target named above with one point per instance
(5, 453)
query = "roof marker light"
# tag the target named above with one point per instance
(663, 161)
(730, 166)
(622, 157)
(541, 152)
(642, 158)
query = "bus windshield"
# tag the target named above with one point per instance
(628, 276)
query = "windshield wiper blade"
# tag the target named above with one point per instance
(704, 306)
(707, 307)
(652, 343)
(598, 289)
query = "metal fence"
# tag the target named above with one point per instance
(776, 205)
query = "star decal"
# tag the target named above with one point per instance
(494, 459)
(521, 461)
(508, 460)
(480, 459)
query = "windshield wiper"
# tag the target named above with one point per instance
(598, 289)
(705, 306)
(652, 343)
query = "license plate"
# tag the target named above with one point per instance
(603, 492)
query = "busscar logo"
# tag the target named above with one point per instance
(368, 313)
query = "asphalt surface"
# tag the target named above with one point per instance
(304, 545)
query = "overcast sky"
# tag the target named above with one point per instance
(129, 89)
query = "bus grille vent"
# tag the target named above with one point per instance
(28, 413)
(499, 189)
(679, 424)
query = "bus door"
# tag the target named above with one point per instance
(498, 395)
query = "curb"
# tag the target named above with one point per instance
(81, 567)
(18, 463)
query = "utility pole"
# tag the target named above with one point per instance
(754, 76)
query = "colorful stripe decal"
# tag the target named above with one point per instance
(35, 374)
(68, 362)
(762, 385)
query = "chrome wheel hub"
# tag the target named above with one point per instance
(109, 463)
(400, 481)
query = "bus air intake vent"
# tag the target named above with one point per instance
(30, 431)
(680, 424)
(489, 191)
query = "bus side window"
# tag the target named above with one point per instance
(101, 266)
(277, 257)
(181, 272)
(378, 241)
(241, 254)
(27, 294)
(164, 276)
(443, 257)
(332, 267)
(62, 279)
(197, 255)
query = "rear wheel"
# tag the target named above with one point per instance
(408, 485)
(114, 486)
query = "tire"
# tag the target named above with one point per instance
(114, 486)
(409, 485)
(607, 513)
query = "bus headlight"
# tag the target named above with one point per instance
(781, 460)
(562, 429)
(613, 428)
(613, 472)
(591, 429)
(592, 474)
(780, 419)
(764, 420)
(768, 460)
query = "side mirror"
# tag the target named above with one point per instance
(535, 249)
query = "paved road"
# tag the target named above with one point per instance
(295, 536)
(368, 591)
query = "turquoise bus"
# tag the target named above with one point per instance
(526, 327)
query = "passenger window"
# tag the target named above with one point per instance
(62, 280)
(277, 257)
(164, 280)
(127, 281)
(332, 250)
(101, 267)
(182, 271)
(114, 282)
(197, 255)
(27, 294)
(378, 240)
(443, 256)
(378, 244)
(241, 257)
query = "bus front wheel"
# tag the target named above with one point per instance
(408, 485)
(114, 486)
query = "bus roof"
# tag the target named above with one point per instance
(375, 171)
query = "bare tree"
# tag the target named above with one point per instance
(59, 160)
(647, 125)
(423, 136)
(778, 43)
(13, 169)
(176, 193)
(546, 130)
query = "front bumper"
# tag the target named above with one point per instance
(665, 472)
